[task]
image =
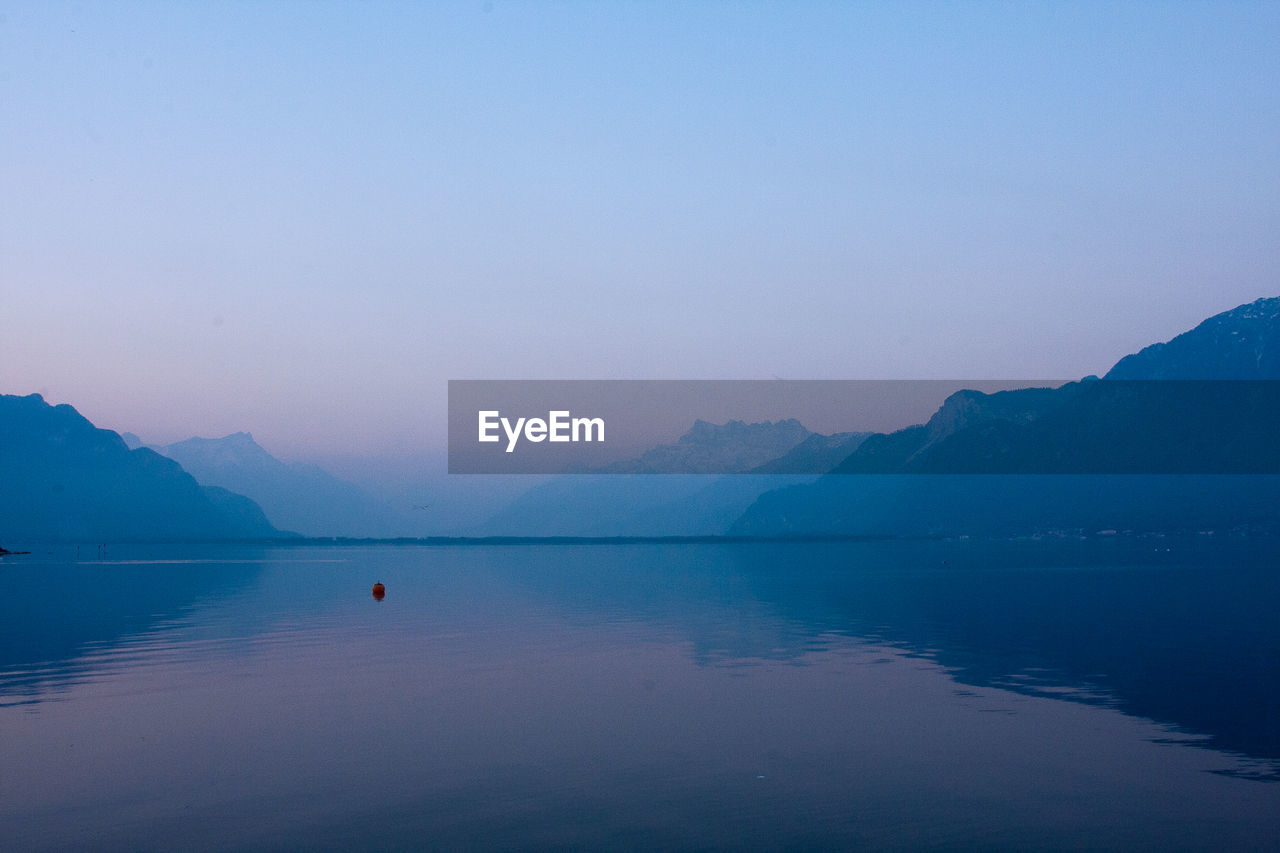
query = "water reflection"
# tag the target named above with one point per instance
(1181, 631)
(64, 617)
(956, 693)
(1178, 630)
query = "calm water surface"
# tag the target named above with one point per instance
(1038, 695)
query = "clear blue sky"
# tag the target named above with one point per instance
(300, 219)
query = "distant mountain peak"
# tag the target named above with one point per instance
(210, 454)
(294, 495)
(705, 431)
(241, 439)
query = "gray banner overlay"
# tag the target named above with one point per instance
(863, 427)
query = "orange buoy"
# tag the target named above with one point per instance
(379, 591)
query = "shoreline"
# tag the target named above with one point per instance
(340, 541)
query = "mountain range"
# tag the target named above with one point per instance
(1091, 427)
(685, 502)
(1088, 455)
(295, 496)
(1093, 454)
(730, 448)
(66, 480)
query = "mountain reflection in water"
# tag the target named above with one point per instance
(870, 687)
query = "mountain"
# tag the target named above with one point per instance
(1088, 455)
(1094, 427)
(731, 448)
(1243, 343)
(685, 502)
(815, 454)
(296, 496)
(912, 505)
(623, 505)
(66, 480)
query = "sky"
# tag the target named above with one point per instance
(301, 219)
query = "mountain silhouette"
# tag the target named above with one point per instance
(1092, 427)
(815, 454)
(731, 448)
(1204, 402)
(1094, 454)
(1243, 343)
(66, 480)
(295, 496)
(687, 502)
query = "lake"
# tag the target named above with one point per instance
(1055, 694)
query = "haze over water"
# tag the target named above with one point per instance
(1010, 695)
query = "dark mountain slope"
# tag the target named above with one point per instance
(66, 480)
(1090, 455)
(1243, 343)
